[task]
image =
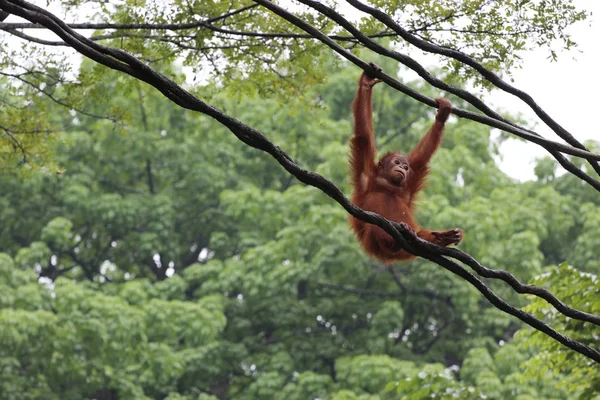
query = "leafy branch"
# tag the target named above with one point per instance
(486, 73)
(491, 118)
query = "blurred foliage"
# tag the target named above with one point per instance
(169, 260)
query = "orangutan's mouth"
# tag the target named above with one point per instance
(401, 173)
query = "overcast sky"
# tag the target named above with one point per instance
(566, 89)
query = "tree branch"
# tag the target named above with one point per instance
(16, 143)
(552, 147)
(54, 99)
(423, 73)
(125, 62)
(359, 292)
(12, 29)
(486, 73)
(131, 26)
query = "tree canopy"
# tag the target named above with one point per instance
(149, 253)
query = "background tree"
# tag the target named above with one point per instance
(178, 263)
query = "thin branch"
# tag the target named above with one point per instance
(341, 38)
(474, 32)
(519, 287)
(33, 38)
(54, 99)
(132, 26)
(208, 24)
(360, 292)
(402, 293)
(420, 292)
(125, 62)
(28, 132)
(400, 131)
(486, 73)
(16, 143)
(12, 105)
(452, 15)
(396, 279)
(87, 269)
(146, 126)
(171, 39)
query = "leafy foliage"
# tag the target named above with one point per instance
(176, 262)
(167, 260)
(578, 289)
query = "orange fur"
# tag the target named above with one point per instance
(377, 186)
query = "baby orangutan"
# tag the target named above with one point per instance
(389, 187)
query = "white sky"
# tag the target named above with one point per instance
(566, 90)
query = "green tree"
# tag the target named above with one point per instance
(168, 260)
